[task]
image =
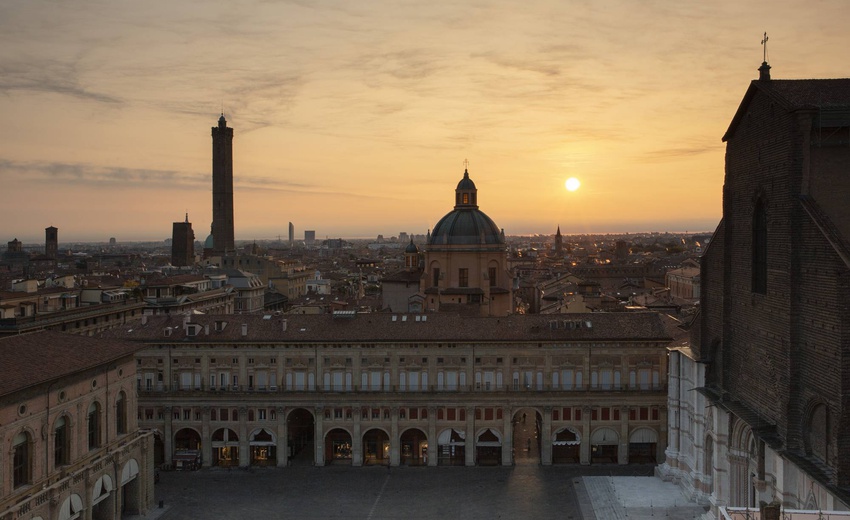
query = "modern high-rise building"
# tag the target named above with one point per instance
(182, 244)
(309, 237)
(222, 177)
(291, 234)
(51, 242)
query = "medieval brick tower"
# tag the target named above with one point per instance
(222, 191)
(51, 242)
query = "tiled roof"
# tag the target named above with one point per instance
(796, 94)
(646, 326)
(39, 357)
(801, 93)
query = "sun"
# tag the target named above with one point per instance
(572, 184)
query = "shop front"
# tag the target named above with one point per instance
(451, 448)
(263, 448)
(566, 446)
(489, 448)
(225, 448)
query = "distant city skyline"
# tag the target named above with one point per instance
(356, 119)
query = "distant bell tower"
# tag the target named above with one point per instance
(51, 242)
(222, 189)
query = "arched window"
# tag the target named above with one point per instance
(121, 413)
(817, 433)
(759, 248)
(22, 460)
(61, 443)
(94, 426)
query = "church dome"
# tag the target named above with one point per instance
(466, 224)
(411, 248)
(208, 243)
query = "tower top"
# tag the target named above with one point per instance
(222, 122)
(764, 70)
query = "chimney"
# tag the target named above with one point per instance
(144, 319)
(207, 329)
(244, 329)
(283, 323)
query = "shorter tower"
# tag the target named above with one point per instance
(51, 242)
(182, 244)
(291, 234)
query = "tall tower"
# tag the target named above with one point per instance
(559, 241)
(182, 244)
(222, 191)
(51, 242)
(291, 234)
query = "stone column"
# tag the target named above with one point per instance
(319, 437)
(546, 437)
(168, 436)
(507, 438)
(395, 441)
(282, 438)
(433, 448)
(206, 437)
(469, 444)
(244, 444)
(623, 449)
(357, 438)
(585, 435)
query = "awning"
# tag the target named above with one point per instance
(452, 437)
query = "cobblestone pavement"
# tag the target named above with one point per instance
(380, 493)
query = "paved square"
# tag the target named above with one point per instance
(380, 493)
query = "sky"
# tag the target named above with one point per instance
(355, 118)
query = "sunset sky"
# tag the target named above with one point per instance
(355, 118)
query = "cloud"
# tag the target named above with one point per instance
(50, 76)
(84, 174)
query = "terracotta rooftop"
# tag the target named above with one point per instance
(39, 357)
(322, 328)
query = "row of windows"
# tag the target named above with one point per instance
(414, 381)
(23, 445)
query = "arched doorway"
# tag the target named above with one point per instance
(526, 436)
(488, 448)
(101, 504)
(604, 444)
(642, 445)
(376, 448)
(451, 448)
(225, 448)
(300, 425)
(263, 448)
(338, 447)
(566, 446)
(130, 488)
(414, 448)
(187, 450)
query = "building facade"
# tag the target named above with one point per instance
(466, 260)
(769, 420)
(392, 389)
(71, 443)
(182, 244)
(51, 242)
(222, 189)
